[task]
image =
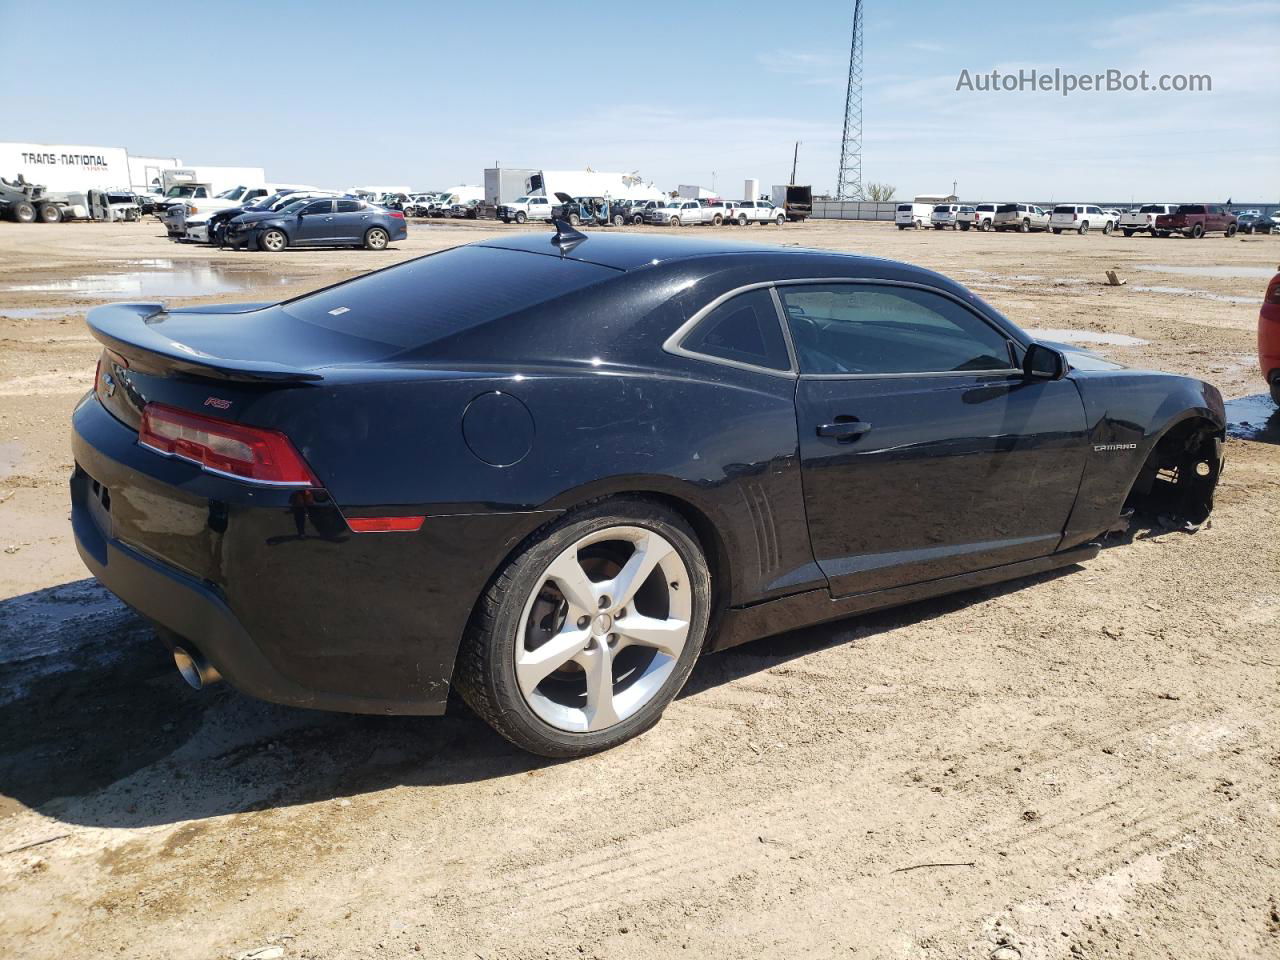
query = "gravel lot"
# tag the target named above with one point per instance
(1082, 764)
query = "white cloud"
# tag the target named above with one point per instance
(818, 69)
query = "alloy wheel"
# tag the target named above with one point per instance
(603, 630)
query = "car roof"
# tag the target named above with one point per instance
(632, 251)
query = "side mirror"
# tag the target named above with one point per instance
(1043, 363)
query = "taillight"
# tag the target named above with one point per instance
(1273, 290)
(231, 449)
(396, 214)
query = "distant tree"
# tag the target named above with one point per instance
(880, 191)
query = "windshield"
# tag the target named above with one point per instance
(235, 193)
(522, 199)
(182, 190)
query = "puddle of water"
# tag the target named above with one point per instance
(1212, 270)
(31, 313)
(161, 278)
(10, 457)
(1199, 294)
(1255, 417)
(1088, 336)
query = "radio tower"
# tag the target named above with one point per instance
(849, 182)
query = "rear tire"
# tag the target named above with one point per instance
(1197, 231)
(1275, 391)
(742, 219)
(618, 220)
(375, 238)
(1084, 227)
(1057, 231)
(1025, 226)
(23, 212)
(1127, 233)
(574, 220)
(1107, 228)
(273, 241)
(986, 226)
(717, 220)
(1231, 230)
(50, 213)
(541, 597)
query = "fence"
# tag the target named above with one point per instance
(854, 209)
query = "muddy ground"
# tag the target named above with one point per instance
(1082, 764)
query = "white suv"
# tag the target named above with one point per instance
(757, 211)
(1081, 217)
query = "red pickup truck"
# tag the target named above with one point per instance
(1197, 219)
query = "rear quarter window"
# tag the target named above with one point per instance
(442, 294)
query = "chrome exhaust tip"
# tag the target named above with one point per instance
(195, 669)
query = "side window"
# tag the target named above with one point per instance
(348, 206)
(319, 206)
(875, 330)
(743, 329)
(201, 193)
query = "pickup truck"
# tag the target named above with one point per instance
(523, 209)
(1023, 217)
(678, 212)
(193, 214)
(1143, 220)
(1196, 219)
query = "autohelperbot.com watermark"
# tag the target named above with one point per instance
(1064, 82)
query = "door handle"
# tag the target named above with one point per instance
(844, 430)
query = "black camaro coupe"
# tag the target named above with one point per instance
(552, 470)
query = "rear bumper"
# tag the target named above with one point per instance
(247, 575)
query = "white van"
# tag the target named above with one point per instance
(912, 215)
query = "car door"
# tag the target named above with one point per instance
(315, 223)
(351, 219)
(925, 452)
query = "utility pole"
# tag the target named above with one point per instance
(849, 180)
(795, 158)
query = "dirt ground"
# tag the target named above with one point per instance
(1082, 764)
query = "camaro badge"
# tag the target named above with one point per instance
(1104, 447)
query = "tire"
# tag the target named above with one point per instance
(574, 220)
(742, 219)
(781, 219)
(521, 217)
(50, 213)
(550, 712)
(717, 220)
(1108, 227)
(637, 219)
(985, 226)
(273, 241)
(618, 220)
(1025, 226)
(901, 227)
(1275, 391)
(1084, 227)
(674, 221)
(1231, 230)
(1160, 233)
(375, 238)
(1197, 231)
(23, 212)
(965, 227)
(1127, 233)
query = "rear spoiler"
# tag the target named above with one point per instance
(134, 331)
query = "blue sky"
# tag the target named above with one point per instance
(429, 94)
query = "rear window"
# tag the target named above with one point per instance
(942, 208)
(986, 207)
(904, 206)
(1152, 208)
(1191, 208)
(1064, 209)
(1007, 208)
(443, 294)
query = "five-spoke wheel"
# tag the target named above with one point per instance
(590, 631)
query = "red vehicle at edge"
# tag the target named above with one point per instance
(1196, 219)
(1269, 337)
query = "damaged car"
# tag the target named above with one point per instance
(637, 449)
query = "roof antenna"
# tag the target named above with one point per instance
(566, 237)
